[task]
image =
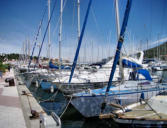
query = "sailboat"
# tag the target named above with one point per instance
(97, 101)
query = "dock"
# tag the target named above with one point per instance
(11, 114)
(18, 107)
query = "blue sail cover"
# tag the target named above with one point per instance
(52, 66)
(145, 73)
(130, 64)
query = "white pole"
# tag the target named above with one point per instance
(117, 18)
(78, 3)
(49, 30)
(60, 31)
(26, 49)
(29, 48)
(92, 51)
(118, 34)
(78, 12)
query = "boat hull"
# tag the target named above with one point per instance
(78, 87)
(90, 106)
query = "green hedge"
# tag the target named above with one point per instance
(3, 67)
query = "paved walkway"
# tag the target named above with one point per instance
(11, 115)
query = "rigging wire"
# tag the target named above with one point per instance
(45, 33)
(150, 34)
(163, 15)
(54, 31)
(162, 27)
(80, 41)
(95, 19)
(36, 38)
(73, 16)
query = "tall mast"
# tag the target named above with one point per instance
(26, 50)
(60, 31)
(49, 30)
(29, 48)
(118, 33)
(117, 18)
(23, 52)
(45, 34)
(119, 45)
(80, 41)
(158, 48)
(35, 43)
(92, 52)
(78, 3)
(78, 15)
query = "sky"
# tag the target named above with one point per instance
(19, 21)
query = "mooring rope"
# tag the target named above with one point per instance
(66, 107)
(53, 96)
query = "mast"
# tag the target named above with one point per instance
(117, 18)
(92, 51)
(158, 48)
(26, 50)
(29, 48)
(49, 29)
(119, 45)
(80, 41)
(60, 32)
(78, 3)
(39, 30)
(45, 35)
(78, 15)
(98, 54)
(118, 33)
(85, 53)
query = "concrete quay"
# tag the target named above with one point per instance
(11, 114)
(18, 107)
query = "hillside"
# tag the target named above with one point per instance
(159, 51)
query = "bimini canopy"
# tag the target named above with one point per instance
(130, 64)
(145, 73)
